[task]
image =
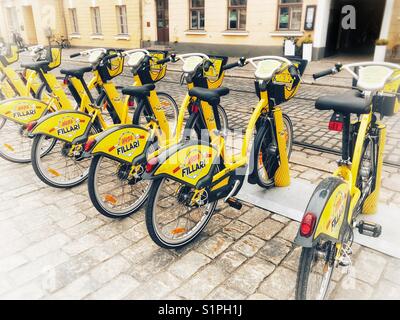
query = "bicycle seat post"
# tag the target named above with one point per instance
(346, 140)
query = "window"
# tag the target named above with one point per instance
(289, 14)
(122, 20)
(237, 10)
(74, 20)
(196, 14)
(12, 18)
(96, 22)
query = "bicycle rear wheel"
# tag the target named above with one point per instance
(172, 221)
(111, 189)
(314, 273)
(59, 164)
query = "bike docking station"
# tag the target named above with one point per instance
(292, 201)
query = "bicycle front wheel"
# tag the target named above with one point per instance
(266, 153)
(171, 219)
(111, 189)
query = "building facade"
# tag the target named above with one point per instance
(232, 27)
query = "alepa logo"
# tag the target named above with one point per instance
(67, 126)
(338, 210)
(24, 111)
(127, 143)
(193, 164)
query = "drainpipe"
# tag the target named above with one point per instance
(141, 22)
(387, 16)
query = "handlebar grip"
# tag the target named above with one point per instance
(74, 55)
(164, 61)
(323, 73)
(293, 71)
(21, 50)
(109, 57)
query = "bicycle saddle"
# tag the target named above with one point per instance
(212, 96)
(36, 66)
(76, 73)
(143, 91)
(350, 102)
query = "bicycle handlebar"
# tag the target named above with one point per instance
(338, 67)
(240, 63)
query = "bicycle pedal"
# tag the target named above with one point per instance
(369, 229)
(234, 203)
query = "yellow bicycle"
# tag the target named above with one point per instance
(26, 83)
(17, 113)
(190, 177)
(327, 229)
(115, 184)
(63, 134)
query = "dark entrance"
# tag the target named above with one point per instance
(361, 41)
(162, 21)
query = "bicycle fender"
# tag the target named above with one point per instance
(187, 163)
(123, 142)
(67, 126)
(330, 204)
(22, 110)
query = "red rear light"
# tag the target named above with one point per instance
(195, 108)
(336, 126)
(131, 103)
(336, 123)
(151, 165)
(89, 144)
(31, 125)
(307, 225)
(66, 81)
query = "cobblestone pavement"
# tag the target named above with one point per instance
(54, 245)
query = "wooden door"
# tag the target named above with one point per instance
(162, 21)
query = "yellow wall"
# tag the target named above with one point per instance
(109, 24)
(261, 23)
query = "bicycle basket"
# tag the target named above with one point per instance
(115, 66)
(54, 55)
(283, 86)
(215, 76)
(156, 72)
(12, 55)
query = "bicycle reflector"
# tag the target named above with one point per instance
(307, 225)
(151, 164)
(89, 144)
(336, 123)
(31, 125)
(131, 103)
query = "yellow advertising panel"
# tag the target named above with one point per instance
(66, 126)
(125, 143)
(190, 164)
(23, 110)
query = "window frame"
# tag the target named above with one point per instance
(239, 8)
(74, 20)
(122, 19)
(290, 6)
(96, 19)
(199, 10)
